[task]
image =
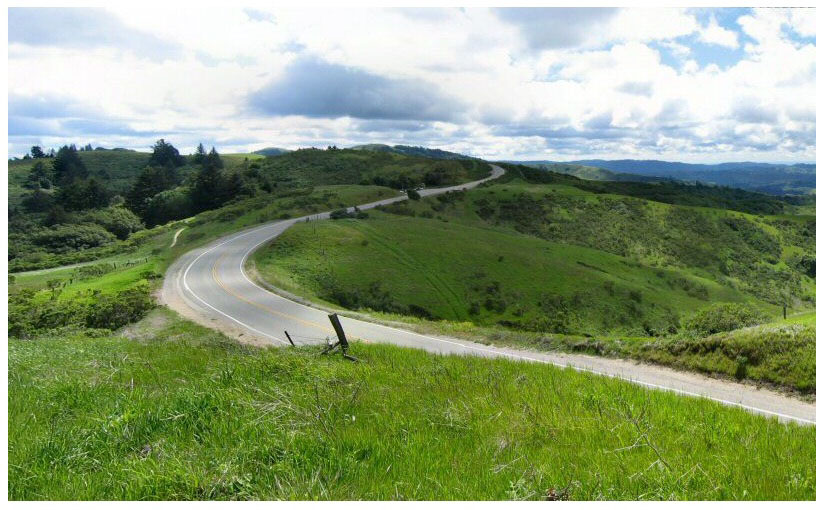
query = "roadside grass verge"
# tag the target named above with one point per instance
(177, 411)
(153, 255)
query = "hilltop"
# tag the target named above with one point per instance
(407, 150)
(112, 194)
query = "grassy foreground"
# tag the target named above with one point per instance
(171, 410)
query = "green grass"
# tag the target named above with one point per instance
(154, 255)
(177, 411)
(448, 269)
(575, 279)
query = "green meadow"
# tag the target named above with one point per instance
(169, 410)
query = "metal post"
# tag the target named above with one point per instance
(289, 338)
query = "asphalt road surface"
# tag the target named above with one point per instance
(210, 286)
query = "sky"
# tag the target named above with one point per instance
(697, 85)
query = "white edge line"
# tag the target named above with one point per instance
(474, 348)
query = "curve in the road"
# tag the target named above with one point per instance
(210, 284)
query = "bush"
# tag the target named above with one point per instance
(167, 206)
(413, 194)
(119, 221)
(65, 238)
(27, 319)
(724, 317)
(125, 307)
(340, 214)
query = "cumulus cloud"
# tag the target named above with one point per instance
(54, 115)
(555, 28)
(83, 29)
(637, 88)
(713, 33)
(749, 111)
(315, 88)
(544, 83)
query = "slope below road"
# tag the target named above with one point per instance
(210, 286)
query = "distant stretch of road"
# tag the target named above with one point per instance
(210, 285)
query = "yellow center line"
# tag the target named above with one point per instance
(258, 305)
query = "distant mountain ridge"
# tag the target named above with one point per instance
(777, 179)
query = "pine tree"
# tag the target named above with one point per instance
(38, 177)
(68, 166)
(214, 159)
(37, 152)
(200, 154)
(164, 154)
(149, 183)
(209, 188)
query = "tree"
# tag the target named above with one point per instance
(169, 205)
(150, 182)
(200, 155)
(38, 177)
(38, 201)
(164, 154)
(119, 221)
(68, 166)
(214, 159)
(83, 194)
(209, 188)
(37, 152)
(56, 215)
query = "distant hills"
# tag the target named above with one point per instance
(408, 150)
(271, 151)
(777, 179)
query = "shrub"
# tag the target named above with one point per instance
(64, 238)
(340, 214)
(168, 205)
(119, 221)
(123, 308)
(724, 317)
(413, 194)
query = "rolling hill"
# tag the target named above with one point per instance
(407, 150)
(777, 179)
(558, 257)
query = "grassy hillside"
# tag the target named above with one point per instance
(65, 297)
(351, 166)
(548, 258)
(43, 234)
(765, 177)
(454, 271)
(117, 168)
(164, 409)
(408, 150)
(170, 410)
(569, 269)
(592, 173)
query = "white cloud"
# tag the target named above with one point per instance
(502, 91)
(713, 33)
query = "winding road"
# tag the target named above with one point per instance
(209, 285)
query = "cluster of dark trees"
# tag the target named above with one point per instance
(37, 152)
(70, 208)
(75, 190)
(160, 193)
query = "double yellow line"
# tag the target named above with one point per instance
(260, 306)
